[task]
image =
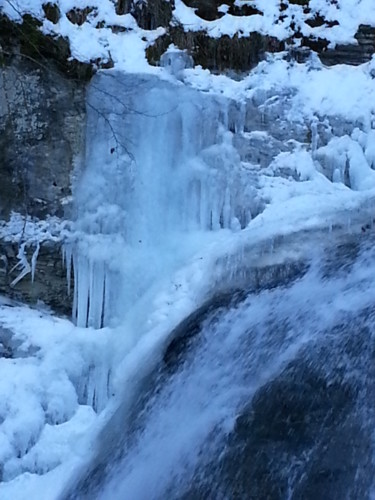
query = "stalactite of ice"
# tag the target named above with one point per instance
(314, 136)
(160, 164)
(34, 259)
(22, 264)
(370, 149)
(68, 263)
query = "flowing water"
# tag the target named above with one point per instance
(303, 350)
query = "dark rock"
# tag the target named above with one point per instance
(244, 10)
(79, 16)
(41, 139)
(184, 334)
(149, 14)
(153, 14)
(316, 21)
(206, 9)
(52, 12)
(226, 53)
(348, 54)
(305, 434)
(257, 279)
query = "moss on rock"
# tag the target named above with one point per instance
(27, 40)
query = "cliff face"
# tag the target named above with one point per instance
(42, 121)
(41, 137)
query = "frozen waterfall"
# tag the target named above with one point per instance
(160, 166)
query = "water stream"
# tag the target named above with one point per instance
(302, 350)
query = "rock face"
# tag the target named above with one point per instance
(42, 125)
(241, 53)
(350, 54)
(304, 435)
(41, 137)
(217, 54)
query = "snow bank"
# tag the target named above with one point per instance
(55, 381)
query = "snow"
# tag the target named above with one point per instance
(348, 13)
(45, 405)
(19, 228)
(126, 48)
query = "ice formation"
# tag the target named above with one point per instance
(160, 164)
(167, 163)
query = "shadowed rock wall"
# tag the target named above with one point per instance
(41, 137)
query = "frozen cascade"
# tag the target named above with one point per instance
(160, 165)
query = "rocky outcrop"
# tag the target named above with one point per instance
(351, 54)
(41, 137)
(241, 53)
(304, 435)
(42, 124)
(237, 53)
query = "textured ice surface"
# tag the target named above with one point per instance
(164, 167)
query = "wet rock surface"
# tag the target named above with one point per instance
(305, 434)
(258, 278)
(308, 432)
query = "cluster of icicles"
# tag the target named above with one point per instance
(178, 173)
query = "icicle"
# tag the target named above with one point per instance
(227, 210)
(83, 286)
(69, 263)
(22, 263)
(34, 259)
(107, 300)
(75, 296)
(96, 294)
(314, 136)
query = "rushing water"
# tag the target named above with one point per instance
(183, 440)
